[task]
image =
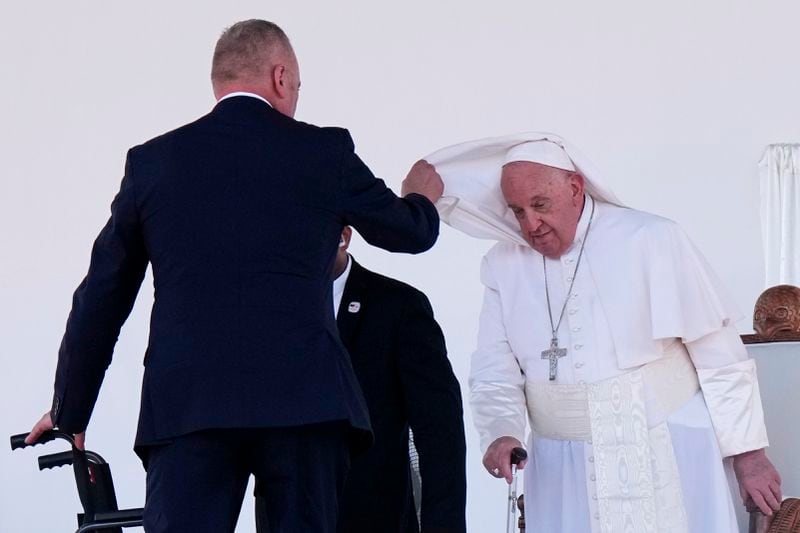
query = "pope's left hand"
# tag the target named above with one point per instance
(758, 480)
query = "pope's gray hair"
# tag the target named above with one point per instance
(246, 49)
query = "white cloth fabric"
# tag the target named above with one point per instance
(472, 200)
(338, 286)
(780, 205)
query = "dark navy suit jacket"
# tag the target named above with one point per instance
(240, 214)
(400, 358)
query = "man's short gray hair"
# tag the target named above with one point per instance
(245, 49)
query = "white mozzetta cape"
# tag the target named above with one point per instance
(472, 200)
(653, 283)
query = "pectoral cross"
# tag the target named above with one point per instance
(554, 353)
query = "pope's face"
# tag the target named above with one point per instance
(547, 203)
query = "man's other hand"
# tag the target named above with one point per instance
(758, 480)
(45, 424)
(423, 179)
(497, 459)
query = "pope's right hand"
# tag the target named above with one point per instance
(497, 459)
(423, 179)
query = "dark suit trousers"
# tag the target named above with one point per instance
(196, 482)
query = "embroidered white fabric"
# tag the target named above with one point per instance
(560, 495)
(636, 479)
(636, 482)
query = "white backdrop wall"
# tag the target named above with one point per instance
(674, 100)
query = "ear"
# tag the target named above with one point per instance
(347, 234)
(577, 185)
(279, 81)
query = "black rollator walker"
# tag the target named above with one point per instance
(517, 456)
(95, 485)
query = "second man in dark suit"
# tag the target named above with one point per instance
(398, 353)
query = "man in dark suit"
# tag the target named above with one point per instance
(399, 356)
(239, 213)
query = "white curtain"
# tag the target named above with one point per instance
(780, 213)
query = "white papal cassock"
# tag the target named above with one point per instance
(656, 387)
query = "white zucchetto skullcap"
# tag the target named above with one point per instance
(542, 152)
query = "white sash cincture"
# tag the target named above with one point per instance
(632, 477)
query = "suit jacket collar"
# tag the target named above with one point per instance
(245, 107)
(244, 93)
(353, 301)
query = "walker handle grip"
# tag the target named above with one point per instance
(18, 441)
(54, 460)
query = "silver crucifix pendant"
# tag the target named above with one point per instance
(553, 354)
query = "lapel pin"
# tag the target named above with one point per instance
(354, 307)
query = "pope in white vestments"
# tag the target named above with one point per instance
(606, 333)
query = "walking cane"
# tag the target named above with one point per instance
(759, 522)
(517, 456)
